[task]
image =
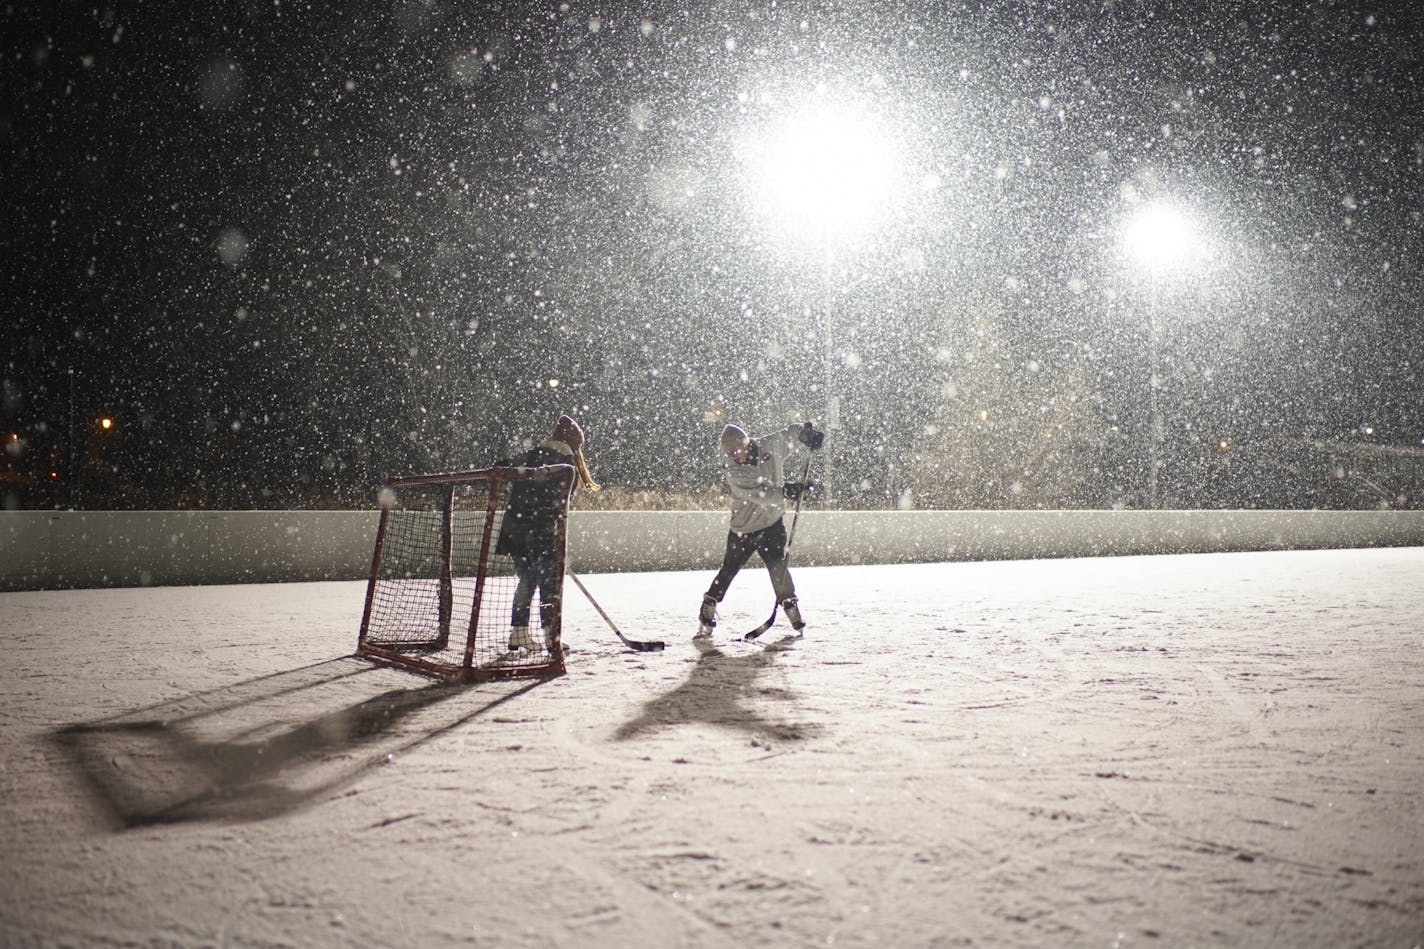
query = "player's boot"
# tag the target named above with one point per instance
(793, 613)
(707, 616)
(519, 638)
(549, 643)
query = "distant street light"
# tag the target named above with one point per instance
(822, 178)
(1162, 242)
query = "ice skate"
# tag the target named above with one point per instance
(706, 618)
(792, 610)
(519, 638)
(549, 645)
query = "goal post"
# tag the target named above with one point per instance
(442, 599)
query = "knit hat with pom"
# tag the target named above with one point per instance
(566, 430)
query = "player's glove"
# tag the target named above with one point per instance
(799, 489)
(809, 437)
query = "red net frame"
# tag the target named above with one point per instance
(439, 598)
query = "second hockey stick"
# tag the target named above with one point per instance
(640, 645)
(805, 474)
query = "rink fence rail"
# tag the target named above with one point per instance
(80, 549)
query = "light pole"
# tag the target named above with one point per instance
(1163, 243)
(821, 178)
(75, 495)
(831, 417)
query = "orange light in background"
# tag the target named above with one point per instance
(106, 423)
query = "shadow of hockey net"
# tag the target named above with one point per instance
(440, 599)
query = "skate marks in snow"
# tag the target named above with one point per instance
(1179, 751)
(1254, 761)
(267, 745)
(1177, 733)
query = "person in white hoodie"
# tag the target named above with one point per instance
(755, 472)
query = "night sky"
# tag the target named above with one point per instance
(293, 249)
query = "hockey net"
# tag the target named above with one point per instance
(439, 598)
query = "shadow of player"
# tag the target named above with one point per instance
(253, 750)
(725, 690)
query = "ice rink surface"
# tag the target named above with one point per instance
(1208, 750)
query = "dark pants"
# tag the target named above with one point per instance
(534, 574)
(770, 542)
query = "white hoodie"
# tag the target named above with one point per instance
(757, 497)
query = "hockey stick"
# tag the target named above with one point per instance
(805, 473)
(641, 645)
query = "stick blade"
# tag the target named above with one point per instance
(752, 636)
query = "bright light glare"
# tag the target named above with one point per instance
(822, 177)
(1161, 238)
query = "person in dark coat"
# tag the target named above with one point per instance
(529, 528)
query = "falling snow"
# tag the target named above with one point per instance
(875, 216)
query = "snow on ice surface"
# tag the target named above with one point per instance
(1210, 750)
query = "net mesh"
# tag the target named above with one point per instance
(440, 598)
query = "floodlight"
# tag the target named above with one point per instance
(823, 176)
(1162, 238)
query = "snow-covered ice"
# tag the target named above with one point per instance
(1217, 749)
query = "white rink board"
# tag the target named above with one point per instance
(68, 549)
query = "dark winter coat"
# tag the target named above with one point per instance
(531, 518)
